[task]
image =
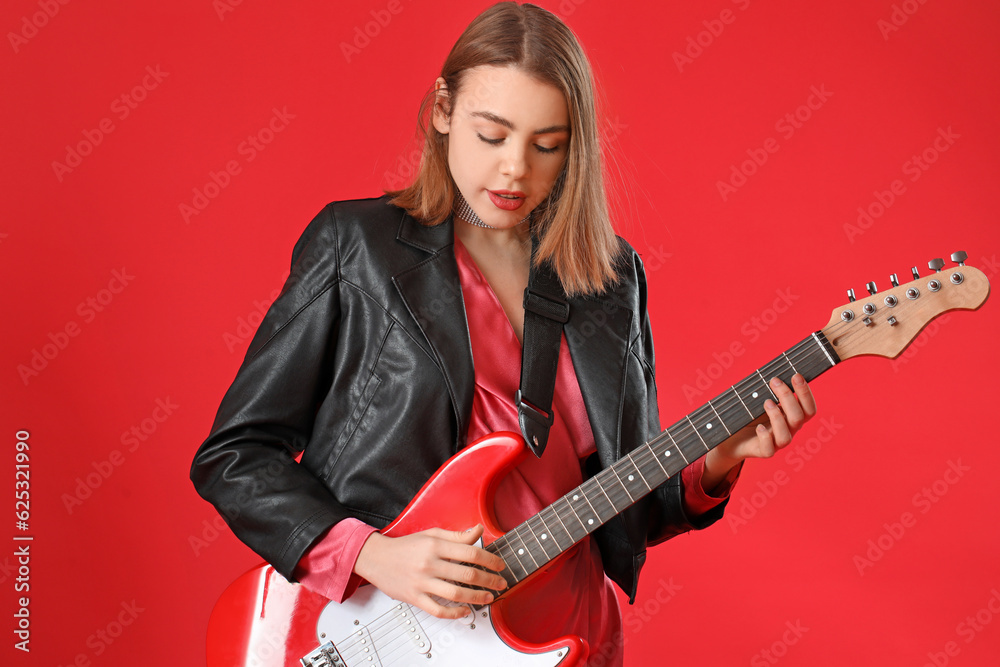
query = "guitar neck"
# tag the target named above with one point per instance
(543, 537)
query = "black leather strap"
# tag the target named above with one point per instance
(545, 312)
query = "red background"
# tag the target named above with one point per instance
(141, 547)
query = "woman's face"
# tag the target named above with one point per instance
(508, 135)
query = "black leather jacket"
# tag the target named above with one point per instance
(364, 364)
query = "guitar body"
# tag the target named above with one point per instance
(262, 620)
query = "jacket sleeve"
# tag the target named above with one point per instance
(247, 466)
(668, 515)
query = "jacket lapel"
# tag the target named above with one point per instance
(432, 292)
(598, 337)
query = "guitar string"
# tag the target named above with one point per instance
(809, 350)
(388, 642)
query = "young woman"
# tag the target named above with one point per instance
(397, 341)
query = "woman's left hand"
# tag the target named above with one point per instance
(767, 435)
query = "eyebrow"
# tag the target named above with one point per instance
(500, 120)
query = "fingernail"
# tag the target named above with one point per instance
(775, 382)
(798, 379)
(761, 429)
(768, 404)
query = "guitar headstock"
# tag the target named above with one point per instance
(883, 324)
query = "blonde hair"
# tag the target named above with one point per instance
(573, 224)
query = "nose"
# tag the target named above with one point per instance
(514, 163)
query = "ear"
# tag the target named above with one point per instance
(441, 114)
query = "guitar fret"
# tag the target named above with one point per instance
(767, 385)
(676, 446)
(789, 362)
(823, 347)
(524, 547)
(552, 533)
(610, 502)
(572, 539)
(544, 534)
(638, 471)
(705, 444)
(590, 522)
(742, 403)
(576, 515)
(510, 564)
(720, 418)
(618, 477)
(657, 459)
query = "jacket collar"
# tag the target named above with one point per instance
(432, 292)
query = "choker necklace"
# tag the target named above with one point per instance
(465, 212)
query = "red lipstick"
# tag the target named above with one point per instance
(508, 200)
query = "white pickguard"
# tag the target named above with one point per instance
(371, 628)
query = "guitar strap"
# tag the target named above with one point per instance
(545, 312)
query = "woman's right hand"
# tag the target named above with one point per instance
(434, 562)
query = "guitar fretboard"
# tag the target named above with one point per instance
(546, 535)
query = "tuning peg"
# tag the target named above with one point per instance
(959, 257)
(850, 295)
(871, 287)
(935, 264)
(916, 274)
(894, 279)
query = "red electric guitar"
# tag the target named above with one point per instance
(263, 621)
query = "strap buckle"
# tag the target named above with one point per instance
(546, 306)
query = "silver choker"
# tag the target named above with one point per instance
(465, 212)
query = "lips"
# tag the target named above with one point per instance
(507, 200)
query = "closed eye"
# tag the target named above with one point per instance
(492, 142)
(500, 140)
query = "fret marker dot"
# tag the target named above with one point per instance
(631, 478)
(754, 394)
(708, 425)
(666, 453)
(590, 521)
(544, 536)
(520, 552)
(576, 497)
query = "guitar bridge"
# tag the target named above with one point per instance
(324, 656)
